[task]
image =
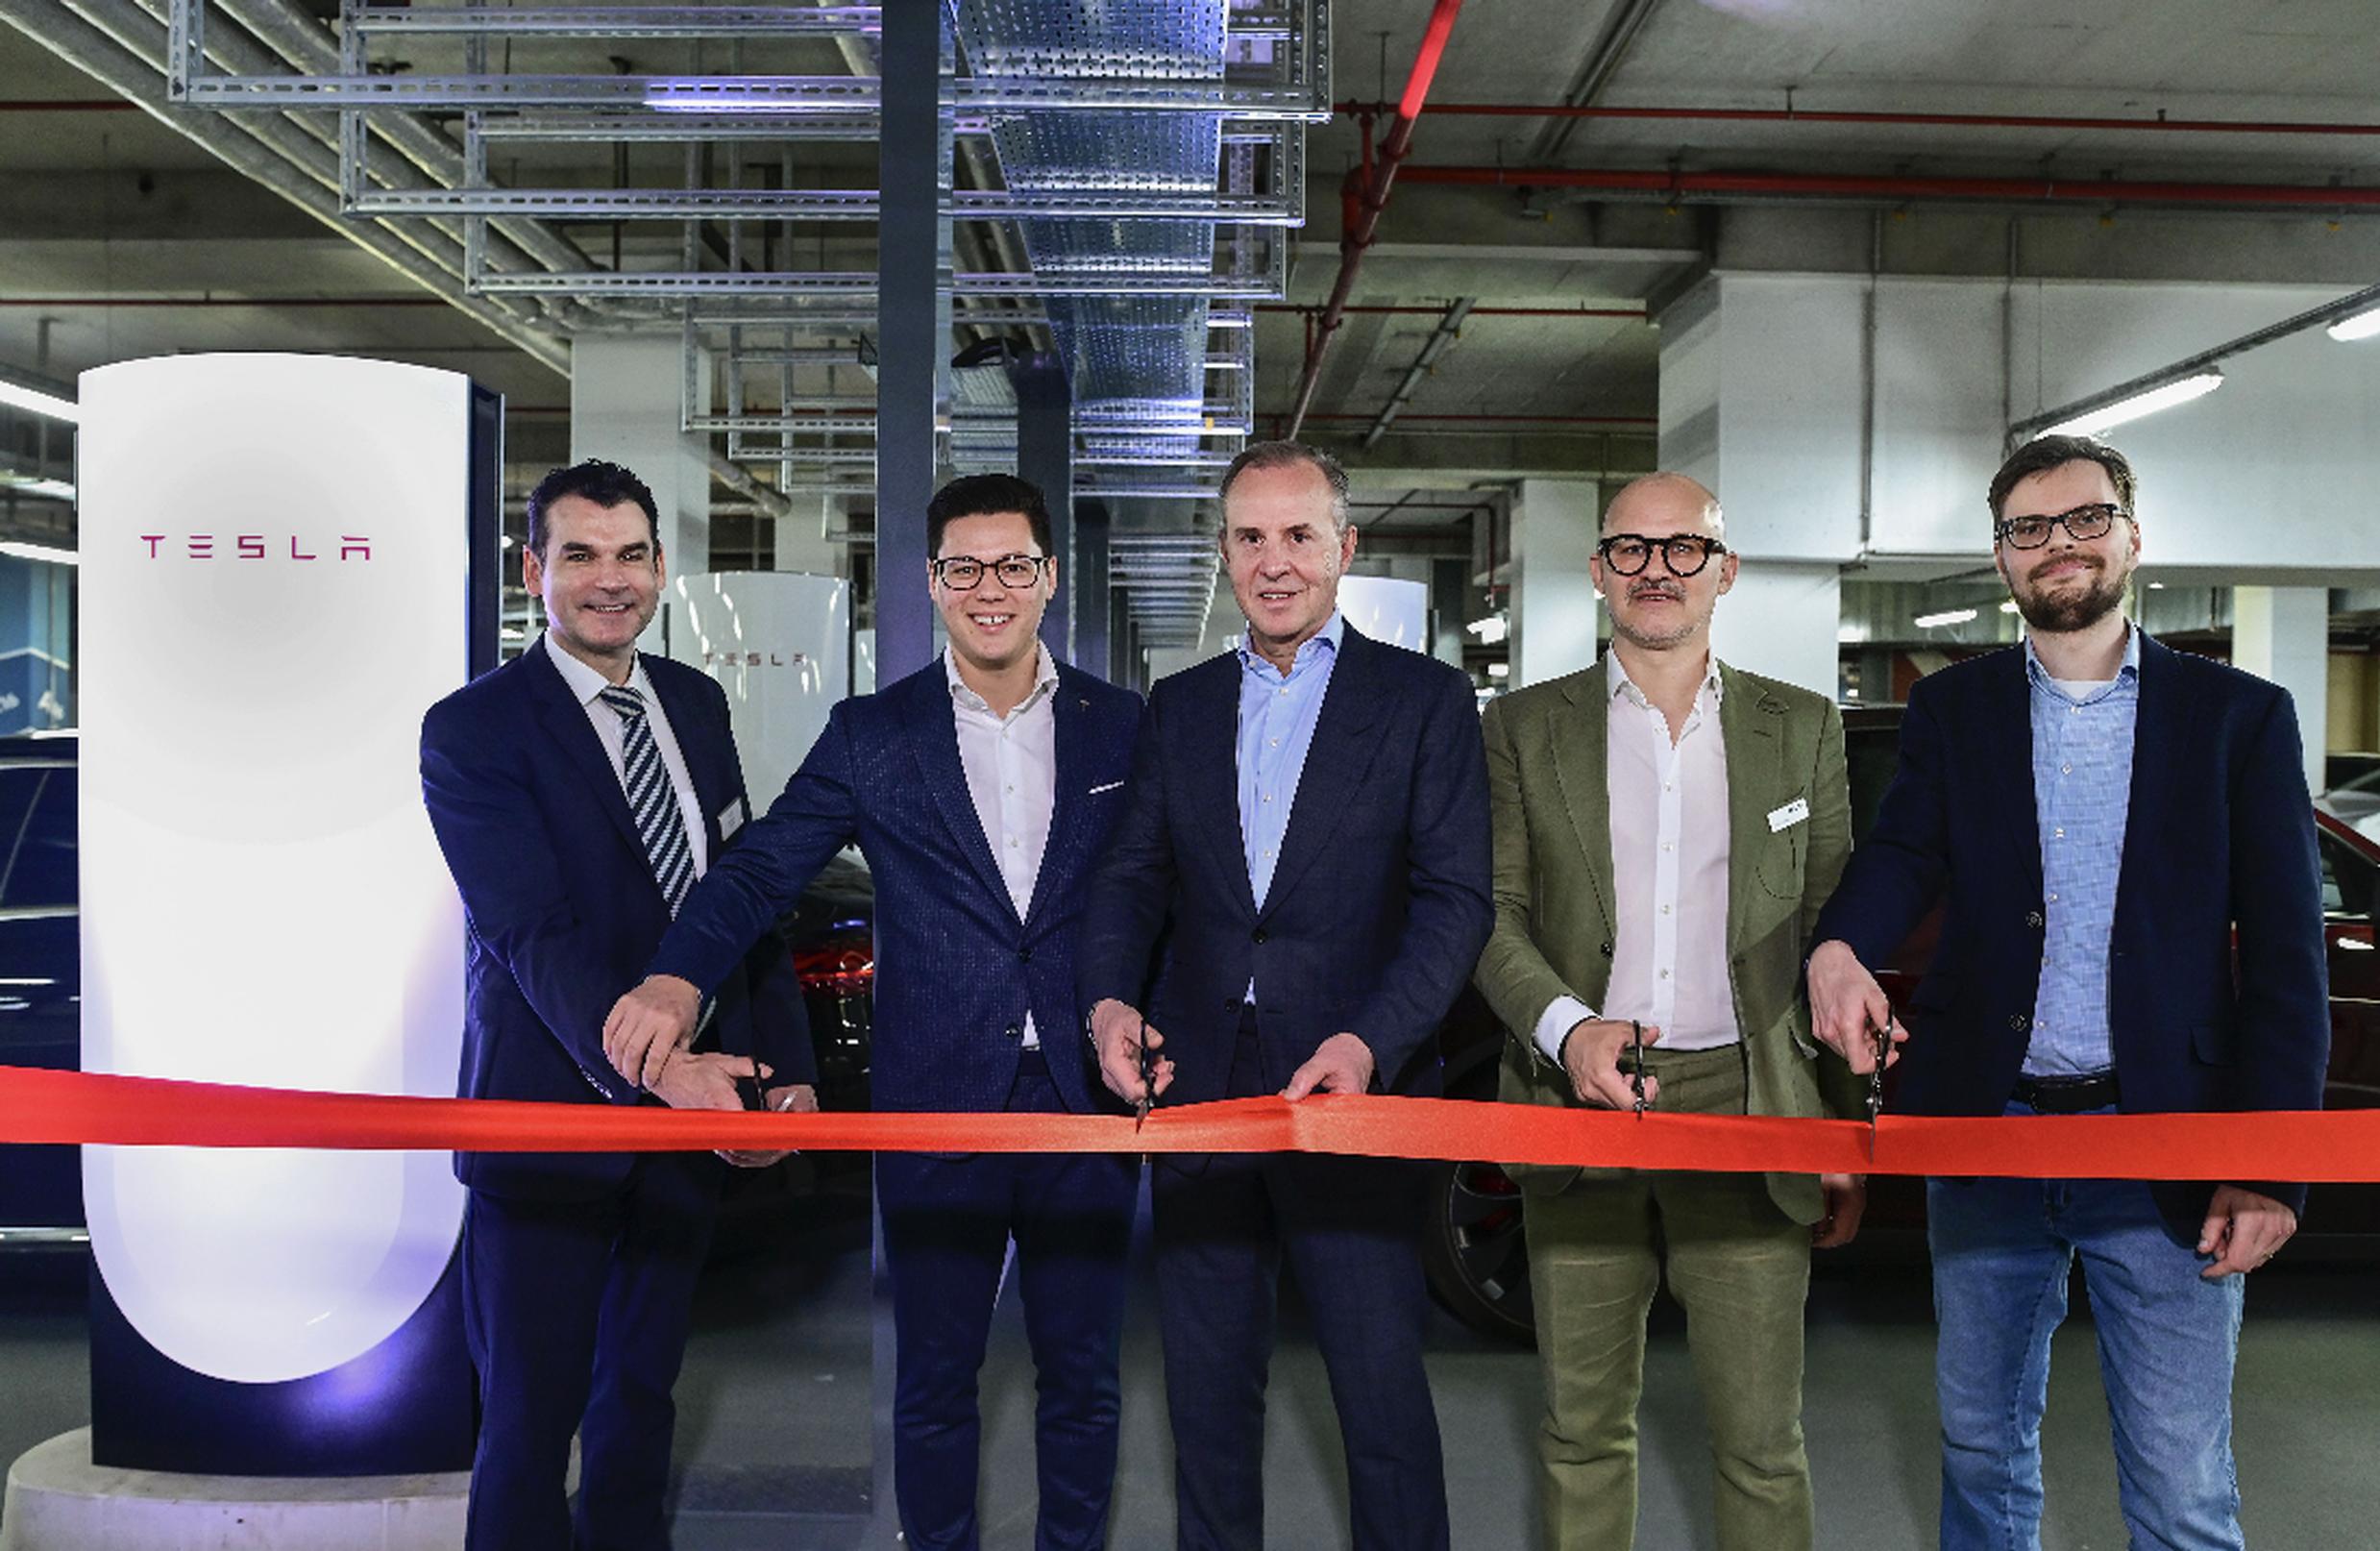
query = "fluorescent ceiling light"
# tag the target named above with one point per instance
(2008, 607)
(1952, 616)
(19, 396)
(25, 485)
(514, 632)
(40, 551)
(2123, 411)
(1499, 670)
(1492, 629)
(2357, 326)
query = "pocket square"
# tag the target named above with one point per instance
(1108, 787)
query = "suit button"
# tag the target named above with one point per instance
(2032, 917)
(2019, 1021)
(1257, 936)
(1014, 1031)
(1024, 955)
(1605, 950)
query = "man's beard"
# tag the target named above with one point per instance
(2069, 611)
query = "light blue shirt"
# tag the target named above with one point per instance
(1277, 715)
(2083, 793)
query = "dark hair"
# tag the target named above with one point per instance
(607, 485)
(988, 495)
(1291, 454)
(2043, 454)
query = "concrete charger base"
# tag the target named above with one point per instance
(59, 1501)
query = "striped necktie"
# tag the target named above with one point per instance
(652, 799)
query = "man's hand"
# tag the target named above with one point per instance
(794, 1098)
(1116, 1031)
(1847, 1198)
(1847, 1005)
(649, 1025)
(1591, 1056)
(691, 1081)
(1342, 1064)
(2243, 1231)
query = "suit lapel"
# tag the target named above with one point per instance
(1211, 771)
(1581, 752)
(2007, 763)
(1335, 760)
(566, 725)
(1070, 732)
(932, 726)
(1750, 725)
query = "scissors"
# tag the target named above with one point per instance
(1148, 1081)
(1883, 1037)
(1636, 1054)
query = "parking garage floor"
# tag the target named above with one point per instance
(778, 1412)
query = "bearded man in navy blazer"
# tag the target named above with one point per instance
(2125, 846)
(1307, 818)
(979, 789)
(577, 792)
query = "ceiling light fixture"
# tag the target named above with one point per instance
(1492, 629)
(1951, 616)
(2356, 326)
(2164, 396)
(41, 552)
(24, 396)
(49, 489)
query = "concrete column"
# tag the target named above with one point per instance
(800, 542)
(913, 326)
(1555, 526)
(1783, 619)
(626, 404)
(2283, 633)
(1449, 592)
(1088, 585)
(1046, 456)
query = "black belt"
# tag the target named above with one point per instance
(2067, 1095)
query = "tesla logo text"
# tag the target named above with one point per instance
(254, 547)
(753, 659)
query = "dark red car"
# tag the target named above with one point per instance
(1474, 1250)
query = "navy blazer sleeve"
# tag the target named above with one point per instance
(773, 860)
(2276, 911)
(1132, 885)
(1896, 874)
(494, 835)
(1450, 909)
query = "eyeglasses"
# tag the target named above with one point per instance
(962, 572)
(2082, 525)
(1684, 554)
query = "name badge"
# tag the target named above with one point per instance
(1791, 814)
(731, 819)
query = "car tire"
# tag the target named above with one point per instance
(1473, 1252)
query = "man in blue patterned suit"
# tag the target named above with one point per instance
(577, 792)
(979, 790)
(1306, 829)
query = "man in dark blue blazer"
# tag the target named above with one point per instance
(979, 790)
(577, 791)
(2122, 838)
(1305, 829)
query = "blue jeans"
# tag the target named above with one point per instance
(2168, 1340)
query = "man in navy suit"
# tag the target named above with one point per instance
(1308, 817)
(979, 789)
(577, 792)
(2133, 922)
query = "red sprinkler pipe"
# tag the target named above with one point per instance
(1362, 218)
(1801, 116)
(1844, 185)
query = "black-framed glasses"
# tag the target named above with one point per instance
(962, 572)
(1684, 554)
(2082, 525)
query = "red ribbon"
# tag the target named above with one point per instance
(43, 1106)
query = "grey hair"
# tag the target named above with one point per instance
(1283, 455)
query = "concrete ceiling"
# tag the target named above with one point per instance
(120, 238)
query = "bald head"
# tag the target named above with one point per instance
(1664, 498)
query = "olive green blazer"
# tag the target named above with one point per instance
(1554, 916)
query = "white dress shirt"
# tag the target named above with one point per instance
(1012, 773)
(1669, 874)
(587, 684)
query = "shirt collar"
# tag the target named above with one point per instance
(584, 682)
(1044, 681)
(1308, 651)
(1619, 683)
(2131, 668)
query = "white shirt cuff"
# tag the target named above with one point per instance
(1566, 1014)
